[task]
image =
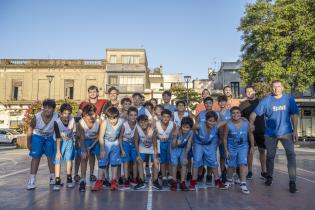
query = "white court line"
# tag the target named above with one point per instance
(149, 201)
(312, 181)
(311, 172)
(18, 172)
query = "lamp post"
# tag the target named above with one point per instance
(50, 79)
(187, 79)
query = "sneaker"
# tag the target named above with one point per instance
(156, 185)
(219, 184)
(164, 182)
(106, 183)
(209, 180)
(183, 186)
(98, 185)
(236, 179)
(227, 184)
(244, 188)
(51, 181)
(92, 178)
(263, 175)
(292, 187)
(127, 185)
(82, 186)
(31, 184)
(121, 181)
(140, 185)
(133, 182)
(77, 178)
(173, 185)
(57, 184)
(192, 185)
(113, 185)
(268, 181)
(249, 175)
(70, 183)
(189, 176)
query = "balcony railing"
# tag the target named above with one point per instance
(127, 88)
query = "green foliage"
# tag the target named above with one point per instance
(279, 43)
(180, 93)
(37, 106)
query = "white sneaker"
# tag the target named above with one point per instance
(51, 181)
(227, 185)
(70, 185)
(236, 179)
(56, 187)
(31, 184)
(244, 188)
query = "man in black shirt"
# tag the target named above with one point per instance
(247, 107)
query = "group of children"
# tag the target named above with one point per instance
(139, 136)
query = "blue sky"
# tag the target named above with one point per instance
(186, 36)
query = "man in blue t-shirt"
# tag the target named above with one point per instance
(281, 114)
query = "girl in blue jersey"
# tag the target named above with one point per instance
(205, 143)
(235, 140)
(180, 147)
(127, 146)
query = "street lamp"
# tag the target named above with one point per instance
(50, 79)
(187, 79)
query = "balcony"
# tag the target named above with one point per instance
(130, 88)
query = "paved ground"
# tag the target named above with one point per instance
(14, 165)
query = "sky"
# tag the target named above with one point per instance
(186, 36)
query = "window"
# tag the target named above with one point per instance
(130, 59)
(69, 89)
(131, 80)
(307, 113)
(235, 86)
(16, 90)
(113, 80)
(112, 59)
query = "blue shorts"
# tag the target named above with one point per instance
(112, 154)
(164, 152)
(94, 151)
(177, 155)
(205, 155)
(130, 150)
(42, 145)
(238, 154)
(66, 150)
(144, 156)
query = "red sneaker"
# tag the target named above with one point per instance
(133, 182)
(98, 185)
(127, 184)
(193, 184)
(173, 185)
(219, 184)
(113, 185)
(183, 186)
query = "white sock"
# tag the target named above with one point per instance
(164, 178)
(32, 176)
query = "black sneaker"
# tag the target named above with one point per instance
(92, 178)
(57, 184)
(292, 187)
(156, 185)
(120, 181)
(249, 175)
(223, 176)
(106, 183)
(82, 186)
(189, 176)
(140, 185)
(268, 181)
(70, 182)
(263, 175)
(209, 180)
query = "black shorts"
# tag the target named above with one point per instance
(260, 141)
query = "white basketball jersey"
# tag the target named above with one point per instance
(66, 132)
(90, 133)
(43, 129)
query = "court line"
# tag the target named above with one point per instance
(284, 172)
(19, 171)
(311, 172)
(149, 200)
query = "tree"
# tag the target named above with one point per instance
(180, 93)
(279, 43)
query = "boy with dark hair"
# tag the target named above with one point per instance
(166, 96)
(40, 140)
(113, 99)
(127, 146)
(180, 147)
(64, 145)
(125, 103)
(88, 130)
